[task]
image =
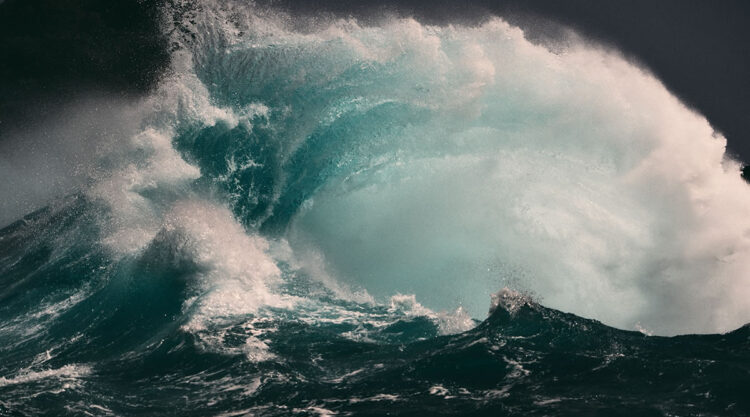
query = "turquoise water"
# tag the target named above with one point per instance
(313, 218)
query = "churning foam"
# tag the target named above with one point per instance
(66, 375)
(237, 275)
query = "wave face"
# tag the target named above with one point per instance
(309, 217)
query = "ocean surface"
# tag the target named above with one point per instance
(319, 216)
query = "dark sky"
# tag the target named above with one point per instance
(55, 51)
(700, 49)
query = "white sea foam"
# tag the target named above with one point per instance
(449, 322)
(313, 410)
(235, 277)
(23, 327)
(507, 299)
(67, 375)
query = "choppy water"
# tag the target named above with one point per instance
(309, 218)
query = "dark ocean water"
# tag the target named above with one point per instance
(312, 217)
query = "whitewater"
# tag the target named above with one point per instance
(313, 216)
